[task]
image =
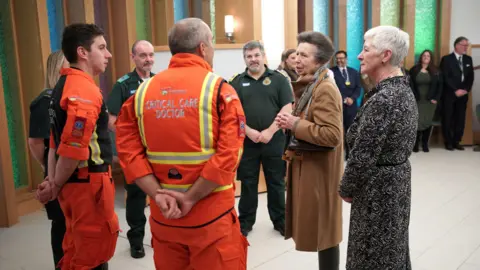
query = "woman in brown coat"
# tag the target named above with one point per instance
(314, 209)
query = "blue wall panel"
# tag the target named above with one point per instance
(355, 25)
(55, 23)
(321, 16)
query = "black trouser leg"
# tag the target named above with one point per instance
(274, 170)
(417, 141)
(425, 139)
(349, 113)
(57, 233)
(329, 259)
(459, 114)
(135, 214)
(447, 119)
(248, 173)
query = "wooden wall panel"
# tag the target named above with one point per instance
(408, 25)
(342, 24)
(32, 46)
(308, 15)
(247, 16)
(445, 20)
(123, 35)
(162, 24)
(375, 13)
(291, 23)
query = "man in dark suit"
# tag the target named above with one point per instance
(457, 70)
(348, 82)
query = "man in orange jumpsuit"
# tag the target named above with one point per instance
(81, 175)
(179, 138)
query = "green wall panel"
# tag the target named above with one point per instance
(390, 12)
(12, 98)
(425, 23)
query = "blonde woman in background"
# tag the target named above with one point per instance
(38, 142)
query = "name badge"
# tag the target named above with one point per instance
(246, 84)
(133, 91)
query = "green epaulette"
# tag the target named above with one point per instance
(122, 79)
(233, 77)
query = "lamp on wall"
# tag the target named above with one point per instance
(229, 27)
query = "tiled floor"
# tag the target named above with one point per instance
(444, 230)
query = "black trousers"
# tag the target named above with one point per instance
(135, 214)
(270, 157)
(453, 118)
(57, 231)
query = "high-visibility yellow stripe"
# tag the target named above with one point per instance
(205, 110)
(83, 164)
(184, 188)
(95, 148)
(139, 105)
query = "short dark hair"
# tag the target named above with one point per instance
(458, 40)
(78, 35)
(323, 43)
(253, 44)
(341, 51)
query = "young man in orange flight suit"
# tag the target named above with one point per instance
(81, 175)
(180, 140)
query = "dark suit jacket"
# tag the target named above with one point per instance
(435, 91)
(353, 90)
(452, 75)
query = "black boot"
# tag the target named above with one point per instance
(417, 141)
(329, 259)
(425, 139)
(103, 266)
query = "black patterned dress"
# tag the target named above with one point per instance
(378, 178)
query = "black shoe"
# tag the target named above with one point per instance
(103, 266)
(449, 147)
(459, 147)
(280, 228)
(476, 149)
(245, 231)
(137, 252)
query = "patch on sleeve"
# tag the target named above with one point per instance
(78, 127)
(230, 97)
(122, 79)
(241, 126)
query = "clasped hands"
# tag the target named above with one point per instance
(285, 120)
(461, 92)
(260, 137)
(47, 191)
(174, 204)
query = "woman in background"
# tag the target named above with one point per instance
(427, 87)
(38, 141)
(287, 66)
(377, 178)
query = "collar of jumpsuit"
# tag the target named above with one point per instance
(76, 71)
(188, 60)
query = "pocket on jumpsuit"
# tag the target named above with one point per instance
(104, 194)
(234, 251)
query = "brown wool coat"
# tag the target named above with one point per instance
(314, 208)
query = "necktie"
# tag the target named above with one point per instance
(460, 63)
(344, 74)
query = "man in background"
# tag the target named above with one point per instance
(348, 82)
(458, 76)
(143, 57)
(263, 93)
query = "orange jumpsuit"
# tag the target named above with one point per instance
(180, 126)
(79, 130)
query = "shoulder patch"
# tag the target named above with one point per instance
(284, 73)
(122, 79)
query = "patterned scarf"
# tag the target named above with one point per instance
(320, 75)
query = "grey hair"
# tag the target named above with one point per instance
(134, 46)
(323, 43)
(187, 34)
(390, 38)
(254, 44)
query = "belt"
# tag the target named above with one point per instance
(79, 175)
(391, 164)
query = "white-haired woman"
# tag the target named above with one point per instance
(378, 174)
